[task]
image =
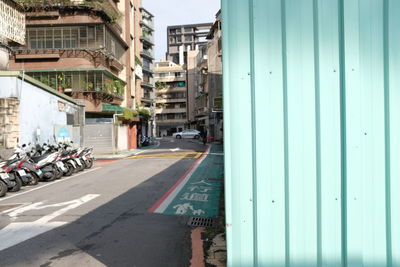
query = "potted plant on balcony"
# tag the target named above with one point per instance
(109, 86)
(118, 87)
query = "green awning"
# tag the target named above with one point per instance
(111, 108)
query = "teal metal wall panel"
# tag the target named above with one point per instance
(312, 138)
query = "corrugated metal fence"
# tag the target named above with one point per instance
(312, 132)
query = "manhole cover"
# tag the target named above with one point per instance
(205, 222)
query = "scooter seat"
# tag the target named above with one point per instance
(37, 159)
(11, 161)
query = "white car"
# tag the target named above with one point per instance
(187, 134)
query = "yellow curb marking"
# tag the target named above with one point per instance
(180, 155)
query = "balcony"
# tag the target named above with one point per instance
(170, 110)
(148, 69)
(170, 100)
(90, 41)
(147, 23)
(147, 54)
(147, 39)
(171, 90)
(81, 81)
(171, 78)
(147, 85)
(106, 9)
(147, 99)
(170, 121)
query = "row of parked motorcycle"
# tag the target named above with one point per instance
(30, 165)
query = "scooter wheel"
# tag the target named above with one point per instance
(3, 189)
(89, 164)
(34, 180)
(70, 169)
(17, 186)
(57, 172)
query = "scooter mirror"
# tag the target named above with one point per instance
(24, 145)
(72, 142)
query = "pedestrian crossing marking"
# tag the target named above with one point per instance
(180, 155)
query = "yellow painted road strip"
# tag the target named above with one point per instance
(187, 155)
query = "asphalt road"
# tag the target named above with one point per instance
(99, 217)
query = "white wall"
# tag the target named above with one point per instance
(122, 138)
(39, 109)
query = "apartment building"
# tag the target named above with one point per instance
(12, 29)
(171, 98)
(204, 68)
(82, 49)
(214, 79)
(184, 38)
(147, 57)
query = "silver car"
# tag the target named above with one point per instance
(187, 134)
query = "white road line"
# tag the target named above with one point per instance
(15, 233)
(175, 149)
(20, 205)
(50, 183)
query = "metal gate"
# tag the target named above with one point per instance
(100, 137)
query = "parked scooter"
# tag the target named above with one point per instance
(20, 166)
(13, 183)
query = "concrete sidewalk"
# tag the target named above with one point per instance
(125, 154)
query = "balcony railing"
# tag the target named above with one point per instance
(81, 81)
(147, 39)
(170, 100)
(147, 23)
(170, 110)
(147, 84)
(147, 69)
(147, 54)
(170, 90)
(103, 7)
(170, 121)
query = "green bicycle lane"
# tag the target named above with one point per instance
(197, 193)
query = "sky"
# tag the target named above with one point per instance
(176, 12)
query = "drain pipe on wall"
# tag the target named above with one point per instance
(115, 117)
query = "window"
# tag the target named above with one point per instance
(83, 37)
(40, 34)
(66, 36)
(178, 74)
(188, 38)
(49, 38)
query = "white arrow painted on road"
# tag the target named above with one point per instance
(175, 149)
(15, 233)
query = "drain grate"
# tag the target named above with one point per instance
(205, 222)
